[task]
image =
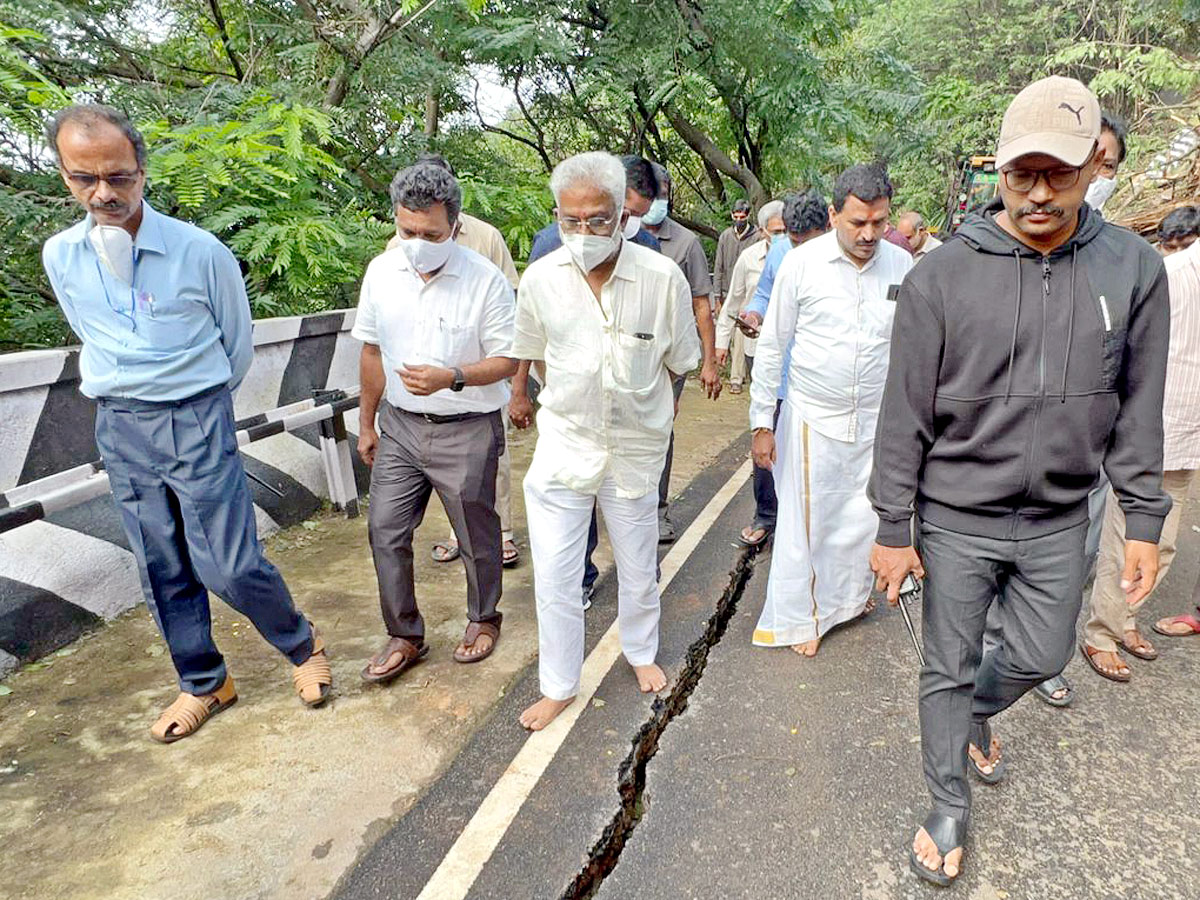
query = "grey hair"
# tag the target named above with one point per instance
(424, 184)
(917, 220)
(769, 211)
(87, 116)
(597, 169)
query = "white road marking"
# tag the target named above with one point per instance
(479, 839)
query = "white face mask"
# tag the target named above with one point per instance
(114, 245)
(590, 250)
(632, 226)
(1099, 191)
(657, 212)
(426, 256)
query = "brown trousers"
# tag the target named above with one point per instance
(1111, 616)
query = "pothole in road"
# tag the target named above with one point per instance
(631, 776)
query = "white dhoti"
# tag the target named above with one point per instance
(558, 519)
(820, 563)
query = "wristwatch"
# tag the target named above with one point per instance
(460, 380)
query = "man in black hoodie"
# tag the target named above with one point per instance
(1026, 352)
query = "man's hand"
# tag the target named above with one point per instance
(710, 379)
(425, 380)
(763, 448)
(749, 323)
(891, 565)
(722, 355)
(520, 409)
(368, 441)
(1141, 570)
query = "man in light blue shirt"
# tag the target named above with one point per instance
(161, 310)
(805, 216)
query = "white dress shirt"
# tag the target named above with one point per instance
(462, 315)
(746, 272)
(607, 407)
(840, 319)
(1181, 402)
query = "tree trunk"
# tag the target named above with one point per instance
(432, 111)
(714, 156)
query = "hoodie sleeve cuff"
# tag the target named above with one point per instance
(894, 534)
(1143, 527)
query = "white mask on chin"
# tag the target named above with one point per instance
(1099, 191)
(114, 245)
(632, 226)
(426, 256)
(590, 250)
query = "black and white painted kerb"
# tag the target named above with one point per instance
(64, 563)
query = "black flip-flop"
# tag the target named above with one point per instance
(767, 532)
(1045, 691)
(998, 768)
(947, 834)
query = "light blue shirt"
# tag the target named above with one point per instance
(780, 246)
(184, 326)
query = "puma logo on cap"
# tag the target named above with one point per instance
(1078, 113)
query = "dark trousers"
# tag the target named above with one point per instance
(176, 475)
(766, 504)
(1037, 585)
(458, 460)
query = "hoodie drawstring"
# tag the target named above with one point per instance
(1012, 347)
(1070, 327)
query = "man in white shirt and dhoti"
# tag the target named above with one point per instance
(833, 300)
(612, 322)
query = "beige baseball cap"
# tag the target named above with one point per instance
(1056, 116)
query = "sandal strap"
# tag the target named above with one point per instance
(477, 629)
(187, 712)
(946, 832)
(313, 672)
(406, 648)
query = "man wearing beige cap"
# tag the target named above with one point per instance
(1026, 353)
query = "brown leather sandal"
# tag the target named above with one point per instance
(409, 655)
(475, 630)
(1119, 673)
(189, 711)
(313, 678)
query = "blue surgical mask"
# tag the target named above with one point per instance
(656, 214)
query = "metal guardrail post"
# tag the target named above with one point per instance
(335, 454)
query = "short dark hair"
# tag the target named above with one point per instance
(436, 159)
(664, 179)
(1118, 129)
(87, 115)
(741, 206)
(805, 212)
(639, 176)
(866, 182)
(1180, 223)
(424, 184)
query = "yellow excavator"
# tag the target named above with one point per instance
(976, 185)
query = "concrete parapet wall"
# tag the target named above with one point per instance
(73, 570)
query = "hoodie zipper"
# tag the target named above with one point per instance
(1037, 403)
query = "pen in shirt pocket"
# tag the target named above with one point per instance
(643, 336)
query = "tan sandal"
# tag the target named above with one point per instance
(189, 711)
(313, 678)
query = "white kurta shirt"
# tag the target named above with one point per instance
(840, 319)
(607, 407)
(462, 315)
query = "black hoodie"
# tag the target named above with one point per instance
(1014, 376)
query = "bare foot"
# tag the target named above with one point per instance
(927, 854)
(542, 713)
(651, 679)
(808, 648)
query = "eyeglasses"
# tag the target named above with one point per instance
(117, 180)
(1024, 180)
(594, 224)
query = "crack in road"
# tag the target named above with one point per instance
(631, 776)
